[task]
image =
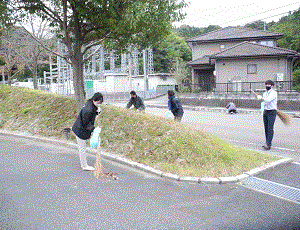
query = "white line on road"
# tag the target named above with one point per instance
(249, 143)
(293, 150)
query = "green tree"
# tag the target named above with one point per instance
(82, 24)
(296, 80)
(290, 27)
(258, 25)
(5, 13)
(187, 31)
(161, 62)
(4, 21)
(172, 55)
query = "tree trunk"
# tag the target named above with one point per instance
(78, 81)
(9, 74)
(35, 80)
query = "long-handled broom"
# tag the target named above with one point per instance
(98, 165)
(95, 141)
(283, 116)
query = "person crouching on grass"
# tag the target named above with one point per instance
(175, 106)
(84, 126)
(269, 114)
(136, 101)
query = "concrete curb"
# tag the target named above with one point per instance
(122, 160)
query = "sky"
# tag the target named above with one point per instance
(202, 13)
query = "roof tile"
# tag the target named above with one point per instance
(234, 33)
(249, 49)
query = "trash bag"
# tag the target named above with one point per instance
(95, 138)
(168, 115)
(262, 106)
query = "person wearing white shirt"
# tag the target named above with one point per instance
(270, 100)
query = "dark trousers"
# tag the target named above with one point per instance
(269, 120)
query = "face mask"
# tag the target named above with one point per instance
(96, 104)
(268, 88)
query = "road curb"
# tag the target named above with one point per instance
(123, 160)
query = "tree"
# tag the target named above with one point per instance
(291, 39)
(258, 25)
(290, 27)
(296, 80)
(187, 31)
(172, 54)
(82, 24)
(32, 48)
(4, 21)
(10, 48)
(4, 14)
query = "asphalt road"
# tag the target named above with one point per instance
(244, 130)
(42, 187)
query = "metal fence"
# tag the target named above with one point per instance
(236, 87)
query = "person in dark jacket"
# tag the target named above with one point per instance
(136, 101)
(175, 106)
(84, 126)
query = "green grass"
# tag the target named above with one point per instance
(155, 141)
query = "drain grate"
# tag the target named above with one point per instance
(273, 188)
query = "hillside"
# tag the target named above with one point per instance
(155, 141)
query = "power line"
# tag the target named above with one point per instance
(225, 8)
(262, 13)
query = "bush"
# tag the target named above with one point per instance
(296, 80)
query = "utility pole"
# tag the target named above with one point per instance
(145, 72)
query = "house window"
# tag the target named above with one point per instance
(252, 69)
(267, 43)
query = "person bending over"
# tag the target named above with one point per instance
(175, 106)
(136, 101)
(84, 126)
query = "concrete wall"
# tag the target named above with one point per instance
(160, 80)
(201, 49)
(236, 69)
(288, 105)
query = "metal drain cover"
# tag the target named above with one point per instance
(273, 188)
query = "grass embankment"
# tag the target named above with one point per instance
(155, 141)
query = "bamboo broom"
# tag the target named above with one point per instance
(283, 116)
(98, 165)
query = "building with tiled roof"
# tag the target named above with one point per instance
(239, 54)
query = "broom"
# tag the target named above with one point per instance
(99, 168)
(95, 142)
(98, 165)
(283, 116)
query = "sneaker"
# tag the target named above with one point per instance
(88, 168)
(266, 147)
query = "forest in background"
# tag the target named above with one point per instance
(172, 54)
